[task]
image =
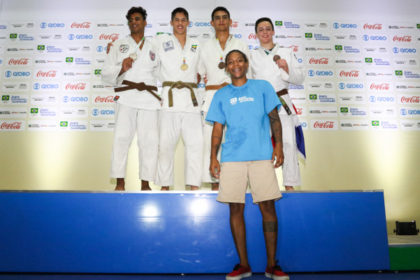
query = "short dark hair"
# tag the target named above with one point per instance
(261, 20)
(179, 10)
(238, 51)
(219, 9)
(134, 10)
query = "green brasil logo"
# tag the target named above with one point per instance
(98, 71)
(308, 35)
(338, 47)
(41, 47)
(375, 123)
(418, 25)
(278, 23)
(368, 60)
(344, 109)
(5, 97)
(34, 110)
(313, 97)
(64, 124)
(69, 59)
(13, 35)
(398, 72)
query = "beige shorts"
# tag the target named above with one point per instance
(234, 178)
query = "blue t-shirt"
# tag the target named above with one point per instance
(244, 110)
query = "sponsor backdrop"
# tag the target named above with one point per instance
(359, 104)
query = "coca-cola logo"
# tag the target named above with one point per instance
(85, 24)
(376, 26)
(78, 86)
(46, 74)
(410, 99)
(252, 36)
(105, 99)
(323, 60)
(109, 37)
(294, 48)
(326, 124)
(20, 61)
(382, 86)
(349, 74)
(406, 38)
(10, 126)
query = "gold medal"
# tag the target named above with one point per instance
(184, 67)
(221, 65)
(276, 57)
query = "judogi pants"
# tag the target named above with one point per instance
(128, 121)
(172, 125)
(291, 172)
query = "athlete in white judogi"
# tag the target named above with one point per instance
(180, 115)
(280, 67)
(130, 66)
(212, 67)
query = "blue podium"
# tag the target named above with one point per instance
(186, 232)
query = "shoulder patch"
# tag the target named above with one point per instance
(124, 48)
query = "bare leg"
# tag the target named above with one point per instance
(164, 188)
(289, 188)
(120, 185)
(214, 186)
(269, 215)
(194, 188)
(237, 226)
(145, 186)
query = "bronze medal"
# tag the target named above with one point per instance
(276, 57)
(221, 65)
(184, 67)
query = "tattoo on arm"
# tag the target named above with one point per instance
(270, 226)
(275, 125)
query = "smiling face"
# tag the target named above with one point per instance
(221, 21)
(136, 23)
(265, 33)
(236, 65)
(180, 23)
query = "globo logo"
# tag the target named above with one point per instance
(323, 73)
(81, 99)
(337, 25)
(9, 74)
(80, 36)
(404, 50)
(374, 38)
(350, 86)
(38, 86)
(202, 24)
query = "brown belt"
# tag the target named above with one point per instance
(139, 86)
(280, 93)
(179, 85)
(216, 87)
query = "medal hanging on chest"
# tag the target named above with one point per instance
(184, 66)
(276, 57)
(221, 64)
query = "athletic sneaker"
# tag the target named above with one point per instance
(239, 272)
(276, 273)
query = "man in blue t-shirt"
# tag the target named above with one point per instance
(248, 108)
